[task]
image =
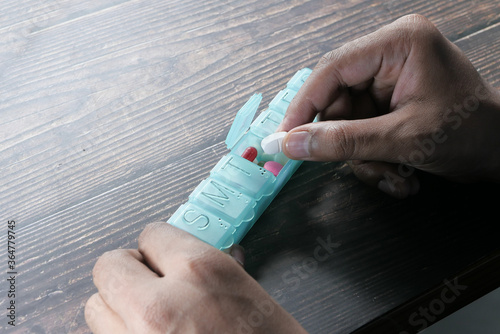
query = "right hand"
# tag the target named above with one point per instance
(403, 97)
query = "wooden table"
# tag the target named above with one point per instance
(113, 111)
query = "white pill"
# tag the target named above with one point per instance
(273, 143)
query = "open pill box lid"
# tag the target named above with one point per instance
(225, 206)
(243, 120)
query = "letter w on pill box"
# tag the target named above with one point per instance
(223, 208)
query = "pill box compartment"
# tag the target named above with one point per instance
(253, 140)
(222, 209)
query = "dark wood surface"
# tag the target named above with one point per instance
(113, 111)
(434, 304)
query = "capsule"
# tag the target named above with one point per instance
(250, 153)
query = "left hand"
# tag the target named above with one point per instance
(175, 283)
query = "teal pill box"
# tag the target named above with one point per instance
(223, 208)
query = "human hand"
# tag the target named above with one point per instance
(401, 98)
(175, 283)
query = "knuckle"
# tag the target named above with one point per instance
(336, 62)
(417, 27)
(110, 256)
(158, 311)
(91, 308)
(102, 262)
(196, 268)
(415, 19)
(148, 231)
(327, 58)
(203, 267)
(331, 59)
(152, 234)
(338, 54)
(102, 267)
(338, 142)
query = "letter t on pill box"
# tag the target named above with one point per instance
(223, 208)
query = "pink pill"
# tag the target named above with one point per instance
(274, 167)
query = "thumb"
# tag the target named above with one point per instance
(379, 138)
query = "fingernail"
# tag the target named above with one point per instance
(399, 189)
(238, 253)
(297, 144)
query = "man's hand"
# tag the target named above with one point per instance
(403, 97)
(175, 283)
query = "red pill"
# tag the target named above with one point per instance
(250, 153)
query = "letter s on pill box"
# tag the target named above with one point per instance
(223, 208)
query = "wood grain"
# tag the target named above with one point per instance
(464, 288)
(113, 112)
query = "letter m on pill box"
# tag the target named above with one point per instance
(223, 208)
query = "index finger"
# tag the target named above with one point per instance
(378, 56)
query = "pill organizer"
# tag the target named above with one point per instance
(223, 208)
